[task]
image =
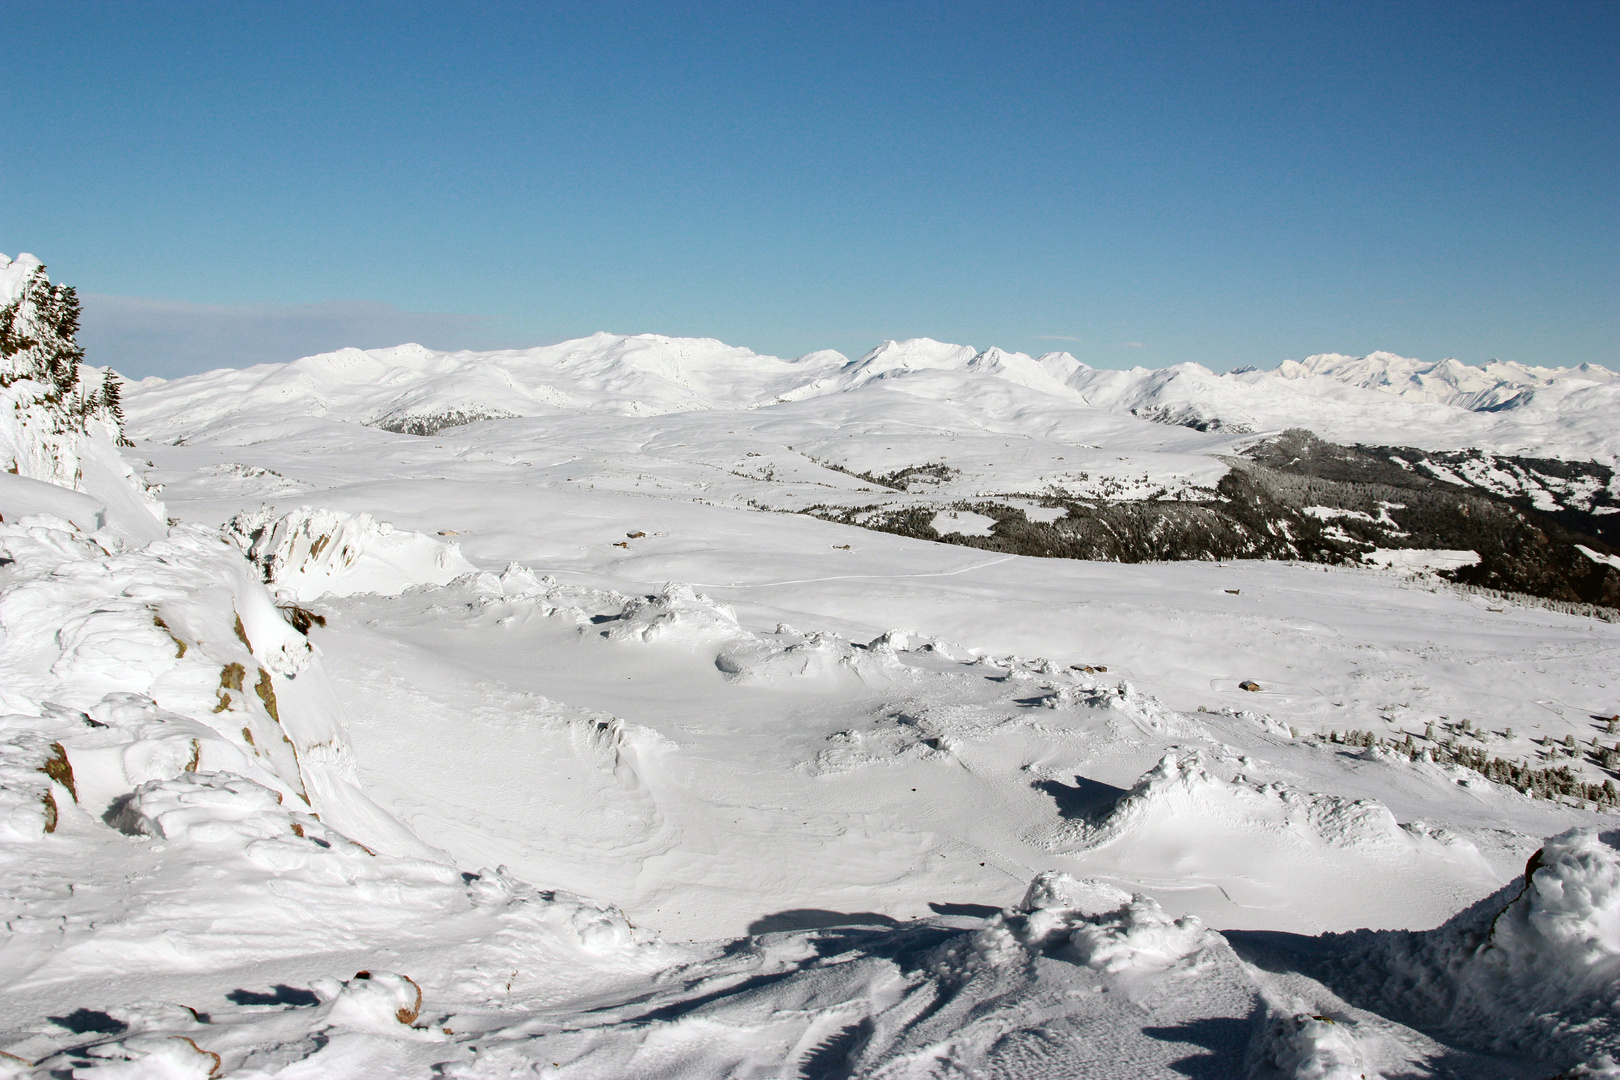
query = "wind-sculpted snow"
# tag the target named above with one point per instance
(249, 869)
(1236, 832)
(170, 747)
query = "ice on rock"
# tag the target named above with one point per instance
(28, 799)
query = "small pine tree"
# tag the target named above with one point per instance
(112, 401)
(37, 336)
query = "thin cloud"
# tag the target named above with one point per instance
(141, 337)
(1054, 337)
(1132, 345)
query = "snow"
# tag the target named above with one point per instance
(543, 746)
(1418, 560)
(963, 523)
(22, 497)
(1598, 556)
(312, 553)
(1380, 398)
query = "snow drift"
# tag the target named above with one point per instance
(1181, 816)
(1532, 969)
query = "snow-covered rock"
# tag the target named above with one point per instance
(314, 552)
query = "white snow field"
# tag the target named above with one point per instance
(549, 745)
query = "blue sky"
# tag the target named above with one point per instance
(1137, 183)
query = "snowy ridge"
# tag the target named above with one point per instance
(1383, 399)
(1380, 398)
(413, 389)
(1490, 387)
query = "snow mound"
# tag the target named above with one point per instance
(149, 1057)
(1053, 889)
(1180, 787)
(678, 614)
(315, 552)
(790, 655)
(1303, 1046)
(1554, 951)
(1133, 937)
(22, 497)
(380, 1002)
(1532, 969)
(1139, 936)
(202, 808)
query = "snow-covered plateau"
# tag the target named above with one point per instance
(644, 707)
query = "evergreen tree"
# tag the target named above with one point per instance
(38, 332)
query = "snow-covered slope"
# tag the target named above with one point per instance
(766, 795)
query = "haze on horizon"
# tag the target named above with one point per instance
(231, 184)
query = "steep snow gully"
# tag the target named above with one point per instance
(385, 747)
